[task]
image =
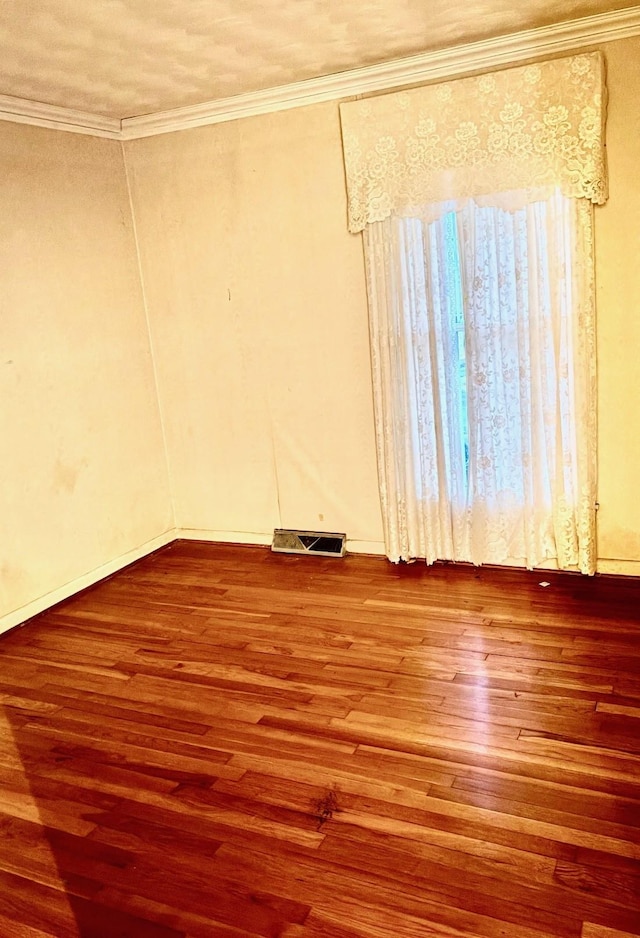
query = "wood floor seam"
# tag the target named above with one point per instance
(223, 742)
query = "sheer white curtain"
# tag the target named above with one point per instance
(483, 352)
(482, 310)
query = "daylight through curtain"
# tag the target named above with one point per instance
(475, 198)
(483, 352)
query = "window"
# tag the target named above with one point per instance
(475, 199)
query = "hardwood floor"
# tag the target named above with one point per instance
(221, 741)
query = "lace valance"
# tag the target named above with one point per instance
(522, 128)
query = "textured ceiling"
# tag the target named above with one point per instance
(124, 58)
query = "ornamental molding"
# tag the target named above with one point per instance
(455, 62)
(19, 111)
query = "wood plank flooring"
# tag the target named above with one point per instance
(221, 741)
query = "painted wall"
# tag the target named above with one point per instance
(84, 478)
(257, 300)
(618, 289)
(258, 310)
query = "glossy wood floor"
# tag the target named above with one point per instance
(220, 741)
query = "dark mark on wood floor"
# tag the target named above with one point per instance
(326, 807)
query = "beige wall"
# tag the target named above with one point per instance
(83, 471)
(258, 311)
(257, 300)
(618, 285)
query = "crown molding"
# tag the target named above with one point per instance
(20, 111)
(453, 62)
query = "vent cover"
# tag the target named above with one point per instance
(288, 541)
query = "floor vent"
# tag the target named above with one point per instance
(287, 541)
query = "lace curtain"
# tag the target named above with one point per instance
(475, 198)
(534, 127)
(497, 464)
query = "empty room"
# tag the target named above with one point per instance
(319, 512)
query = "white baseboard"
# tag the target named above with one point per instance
(265, 539)
(365, 547)
(34, 608)
(262, 539)
(225, 537)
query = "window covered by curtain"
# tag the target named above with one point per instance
(483, 364)
(482, 312)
